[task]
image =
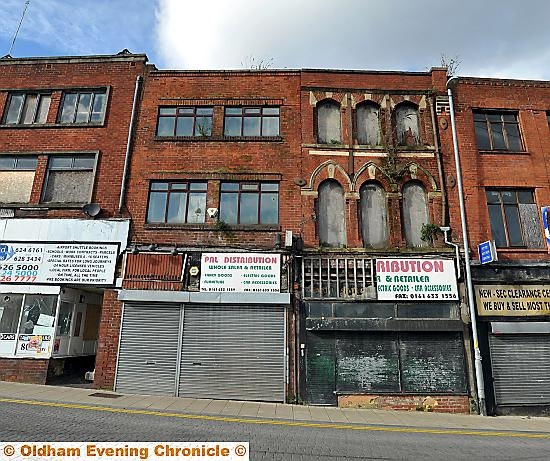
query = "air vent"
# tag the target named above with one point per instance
(7, 213)
(442, 105)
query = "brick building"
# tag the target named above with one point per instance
(504, 144)
(63, 139)
(205, 304)
(381, 323)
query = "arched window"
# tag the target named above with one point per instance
(368, 125)
(415, 213)
(329, 130)
(331, 214)
(406, 125)
(374, 215)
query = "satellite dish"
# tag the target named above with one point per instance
(91, 209)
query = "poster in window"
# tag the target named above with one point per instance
(544, 210)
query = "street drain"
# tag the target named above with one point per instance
(105, 395)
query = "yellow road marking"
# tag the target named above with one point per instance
(481, 433)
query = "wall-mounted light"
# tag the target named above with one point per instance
(174, 251)
(152, 247)
(135, 250)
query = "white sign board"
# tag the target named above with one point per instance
(56, 263)
(241, 272)
(416, 279)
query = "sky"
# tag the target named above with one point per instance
(489, 38)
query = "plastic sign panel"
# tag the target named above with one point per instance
(545, 222)
(416, 279)
(241, 272)
(57, 263)
(487, 252)
(513, 300)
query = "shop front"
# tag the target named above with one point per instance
(515, 319)
(397, 341)
(227, 340)
(51, 293)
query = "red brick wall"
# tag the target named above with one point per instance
(480, 170)
(380, 87)
(437, 403)
(215, 158)
(107, 346)
(33, 371)
(119, 75)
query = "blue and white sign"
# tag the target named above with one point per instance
(487, 252)
(544, 211)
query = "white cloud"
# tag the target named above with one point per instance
(492, 37)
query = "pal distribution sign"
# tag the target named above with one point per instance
(416, 279)
(241, 272)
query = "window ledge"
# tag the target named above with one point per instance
(218, 138)
(522, 250)
(503, 152)
(42, 206)
(214, 227)
(19, 126)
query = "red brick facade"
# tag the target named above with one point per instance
(33, 371)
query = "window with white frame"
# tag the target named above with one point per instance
(85, 106)
(27, 108)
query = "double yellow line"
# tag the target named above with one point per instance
(274, 422)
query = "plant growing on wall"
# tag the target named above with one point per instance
(429, 232)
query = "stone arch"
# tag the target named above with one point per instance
(415, 171)
(329, 170)
(372, 171)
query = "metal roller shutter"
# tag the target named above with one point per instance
(148, 348)
(320, 368)
(367, 362)
(233, 352)
(432, 362)
(521, 369)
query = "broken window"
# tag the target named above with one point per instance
(368, 125)
(415, 213)
(185, 121)
(177, 202)
(69, 179)
(329, 129)
(497, 131)
(16, 178)
(27, 108)
(407, 125)
(86, 106)
(514, 218)
(374, 225)
(331, 214)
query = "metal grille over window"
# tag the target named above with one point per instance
(27, 108)
(249, 203)
(185, 121)
(251, 121)
(177, 202)
(337, 277)
(69, 179)
(16, 178)
(497, 131)
(514, 218)
(83, 107)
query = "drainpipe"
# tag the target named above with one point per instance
(469, 285)
(129, 145)
(439, 166)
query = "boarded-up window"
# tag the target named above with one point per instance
(329, 129)
(406, 125)
(368, 126)
(331, 214)
(374, 221)
(415, 213)
(16, 178)
(514, 218)
(70, 179)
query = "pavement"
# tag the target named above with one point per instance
(244, 411)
